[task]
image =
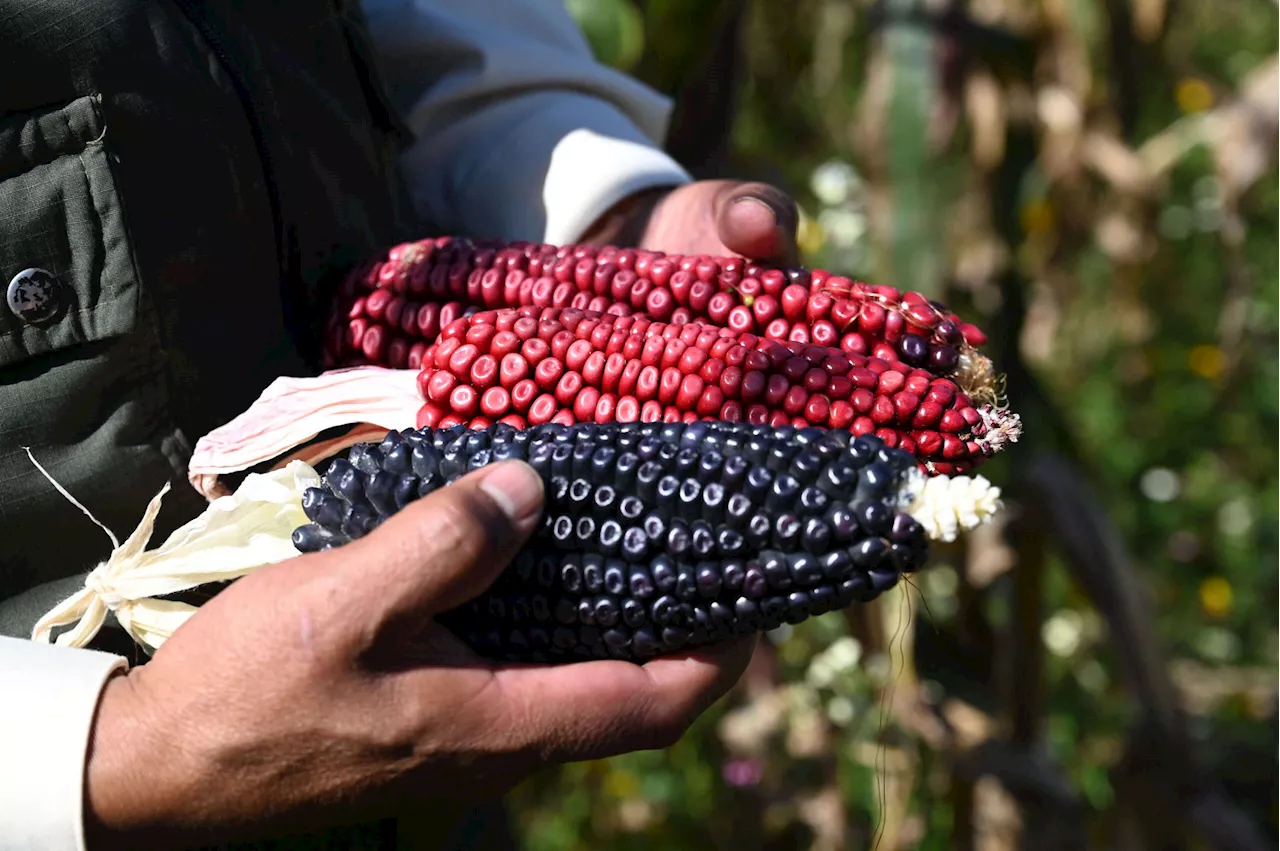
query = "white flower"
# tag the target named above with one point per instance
(840, 657)
(843, 227)
(1235, 518)
(1160, 484)
(833, 182)
(840, 710)
(1063, 632)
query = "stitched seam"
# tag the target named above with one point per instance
(17, 165)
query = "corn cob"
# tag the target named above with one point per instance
(658, 536)
(537, 365)
(392, 309)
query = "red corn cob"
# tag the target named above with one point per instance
(533, 365)
(391, 309)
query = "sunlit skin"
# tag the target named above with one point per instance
(712, 217)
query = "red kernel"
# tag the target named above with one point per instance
(927, 414)
(627, 410)
(711, 400)
(605, 408)
(484, 372)
(584, 404)
(495, 402)
(542, 409)
(795, 299)
(882, 411)
(523, 393)
(512, 368)
(818, 409)
(669, 385)
(464, 401)
(905, 405)
(795, 400)
(548, 372)
(776, 390)
(627, 381)
(567, 389)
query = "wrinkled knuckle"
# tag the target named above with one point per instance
(663, 726)
(456, 527)
(667, 732)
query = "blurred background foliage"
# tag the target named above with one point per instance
(1094, 182)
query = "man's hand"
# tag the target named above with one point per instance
(320, 691)
(714, 217)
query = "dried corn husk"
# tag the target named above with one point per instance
(293, 411)
(235, 535)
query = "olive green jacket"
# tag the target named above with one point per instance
(180, 182)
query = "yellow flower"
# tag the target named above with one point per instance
(621, 785)
(1206, 360)
(809, 236)
(1037, 217)
(1193, 95)
(1216, 597)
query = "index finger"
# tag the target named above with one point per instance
(592, 710)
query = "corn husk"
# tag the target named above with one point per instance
(291, 412)
(235, 535)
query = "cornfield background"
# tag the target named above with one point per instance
(1095, 182)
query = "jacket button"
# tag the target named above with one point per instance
(34, 295)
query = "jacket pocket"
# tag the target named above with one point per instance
(66, 263)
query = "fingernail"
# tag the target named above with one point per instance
(758, 202)
(517, 490)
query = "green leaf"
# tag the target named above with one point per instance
(613, 28)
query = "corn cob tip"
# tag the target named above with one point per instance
(948, 505)
(976, 375)
(1002, 428)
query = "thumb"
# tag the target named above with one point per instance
(757, 221)
(444, 549)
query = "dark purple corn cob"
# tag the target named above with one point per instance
(656, 536)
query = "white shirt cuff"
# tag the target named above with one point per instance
(590, 172)
(50, 698)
